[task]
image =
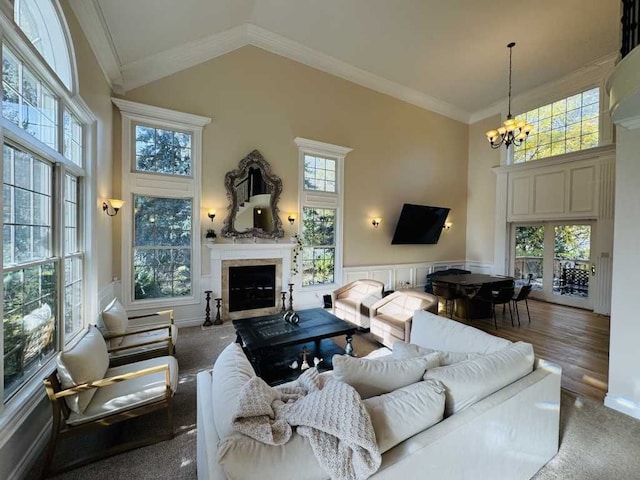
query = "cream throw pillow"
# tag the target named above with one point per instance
(405, 412)
(375, 377)
(115, 320)
(403, 350)
(231, 371)
(86, 361)
(467, 382)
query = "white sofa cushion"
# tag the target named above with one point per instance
(86, 361)
(115, 320)
(130, 393)
(467, 382)
(375, 377)
(439, 333)
(231, 371)
(403, 350)
(244, 458)
(405, 412)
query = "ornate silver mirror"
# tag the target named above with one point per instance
(253, 193)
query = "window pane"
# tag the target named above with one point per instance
(319, 174)
(318, 238)
(573, 124)
(27, 207)
(72, 295)
(29, 322)
(72, 138)
(27, 102)
(162, 247)
(162, 151)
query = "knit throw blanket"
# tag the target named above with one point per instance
(328, 412)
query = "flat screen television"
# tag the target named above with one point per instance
(419, 224)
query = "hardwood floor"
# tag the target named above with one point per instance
(575, 339)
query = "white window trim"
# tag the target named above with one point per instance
(323, 200)
(28, 397)
(154, 184)
(586, 78)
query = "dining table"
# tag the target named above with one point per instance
(469, 288)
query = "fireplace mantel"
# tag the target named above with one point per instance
(220, 252)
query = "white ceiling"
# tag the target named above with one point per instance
(449, 56)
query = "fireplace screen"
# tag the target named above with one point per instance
(252, 287)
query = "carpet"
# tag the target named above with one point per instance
(596, 443)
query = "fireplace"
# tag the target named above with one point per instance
(226, 257)
(252, 287)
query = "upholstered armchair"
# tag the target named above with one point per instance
(85, 393)
(127, 342)
(352, 301)
(391, 317)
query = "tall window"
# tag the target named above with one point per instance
(161, 165)
(43, 176)
(564, 126)
(321, 167)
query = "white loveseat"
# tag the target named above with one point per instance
(509, 433)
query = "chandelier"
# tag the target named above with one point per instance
(513, 131)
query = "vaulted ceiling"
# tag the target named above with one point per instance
(449, 56)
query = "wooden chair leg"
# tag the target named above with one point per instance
(515, 305)
(528, 314)
(511, 314)
(493, 312)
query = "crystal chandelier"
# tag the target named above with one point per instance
(513, 131)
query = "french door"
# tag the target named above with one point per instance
(556, 258)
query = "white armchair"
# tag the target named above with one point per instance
(86, 394)
(127, 342)
(351, 302)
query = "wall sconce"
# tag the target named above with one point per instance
(211, 213)
(291, 218)
(115, 205)
(376, 222)
(447, 225)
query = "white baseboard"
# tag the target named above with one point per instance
(623, 404)
(30, 457)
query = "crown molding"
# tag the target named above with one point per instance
(150, 111)
(321, 147)
(180, 58)
(93, 25)
(285, 47)
(592, 74)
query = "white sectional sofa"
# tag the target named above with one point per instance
(501, 416)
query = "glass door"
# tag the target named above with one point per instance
(555, 258)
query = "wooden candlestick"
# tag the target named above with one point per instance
(284, 299)
(207, 310)
(218, 320)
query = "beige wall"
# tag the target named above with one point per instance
(401, 153)
(96, 92)
(481, 192)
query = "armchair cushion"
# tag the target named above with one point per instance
(115, 320)
(86, 361)
(130, 393)
(375, 377)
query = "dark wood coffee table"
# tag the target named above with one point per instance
(272, 345)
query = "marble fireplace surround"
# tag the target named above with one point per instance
(225, 255)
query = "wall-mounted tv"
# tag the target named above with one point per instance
(419, 224)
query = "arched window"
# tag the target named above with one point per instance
(41, 24)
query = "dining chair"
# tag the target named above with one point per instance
(522, 295)
(447, 293)
(502, 296)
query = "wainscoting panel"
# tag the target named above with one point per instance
(581, 190)
(549, 191)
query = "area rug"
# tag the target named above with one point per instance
(596, 443)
